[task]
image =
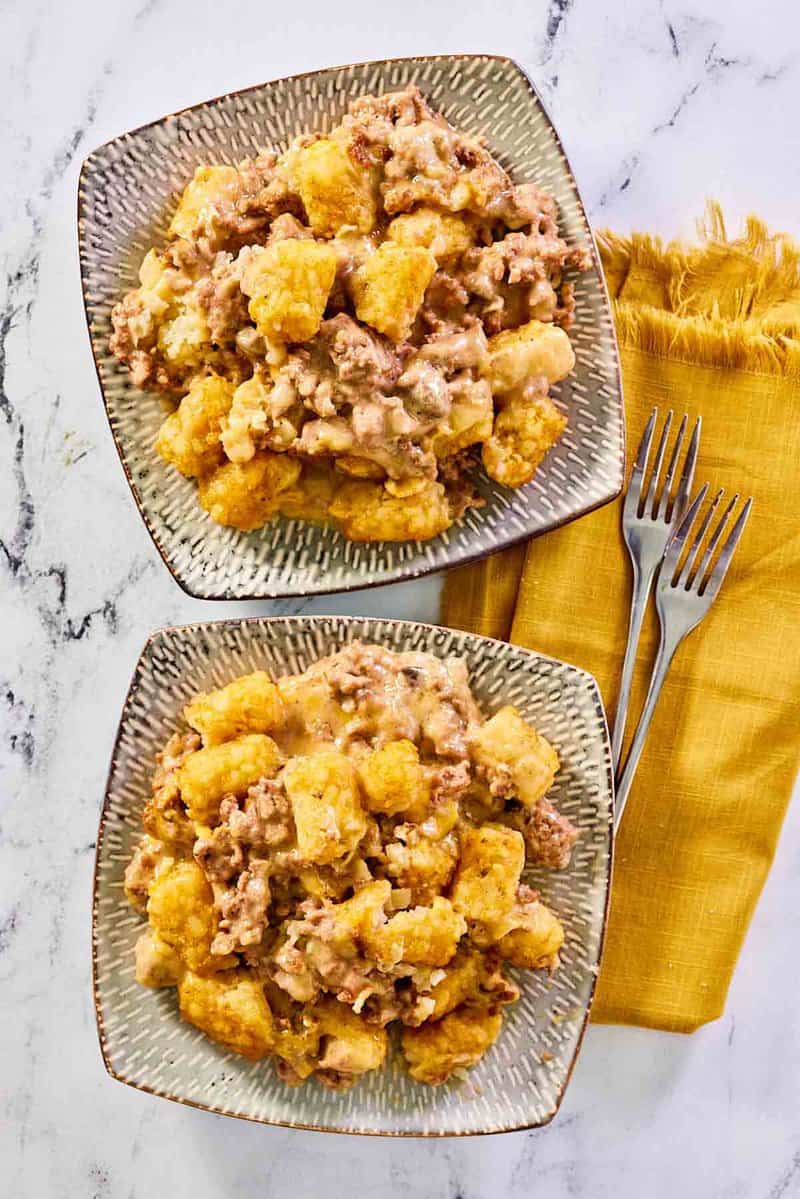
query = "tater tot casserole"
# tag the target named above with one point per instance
(346, 330)
(330, 854)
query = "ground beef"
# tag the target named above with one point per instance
(549, 836)
(220, 855)
(265, 819)
(243, 910)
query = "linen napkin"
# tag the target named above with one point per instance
(712, 328)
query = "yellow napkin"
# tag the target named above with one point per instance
(711, 329)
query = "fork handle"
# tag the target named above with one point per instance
(642, 583)
(666, 652)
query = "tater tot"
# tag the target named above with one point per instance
(250, 704)
(394, 780)
(507, 743)
(231, 1009)
(328, 815)
(229, 768)
(434, 1051)
(487, 876)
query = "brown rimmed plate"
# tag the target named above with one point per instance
(521, 1081)
(127, 191)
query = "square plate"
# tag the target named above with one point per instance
(127, 190)
(521, 1081)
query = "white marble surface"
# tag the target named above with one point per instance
(660, 103)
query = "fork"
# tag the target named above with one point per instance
(648, 520)
(683, 597)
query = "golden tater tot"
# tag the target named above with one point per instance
(245, 495)
(487, 877)
(389, 288)
(189, 438)
(366, 511)
(434, 1051)
(535, 942)
(351, 1046)
(336, 192)
(461, 981)
(231, 1009)
(181, 911)
(446, 235)
(210, 185)
(421, 863)
(229, 768)
(394, 781)
(518, 355)
(328, 815)
(157, 964)
(523, 432)
(250, 704)
(289, 283)
(507, 745)
(422, 936)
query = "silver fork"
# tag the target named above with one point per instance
(682, 600)
(648, 520)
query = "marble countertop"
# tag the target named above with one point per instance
(660, 103)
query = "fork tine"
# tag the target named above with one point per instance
(713, 542)
(640, 465)
(666, 494)
(676, 541)
(687, 572)
(687, 478)
(711, 585)
(652, 490)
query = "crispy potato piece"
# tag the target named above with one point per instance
(368, 512)
(462, 980)
(524, 431)
(250, 704)
(434, 1051)
(247, 420)
(508, 744)
(357, 921)
(335, 191)
(360, 915)
(157, 964)
(185, 338)
(231, 1009)
(328, 815)
(487, 877)
(536, 348)
(246, 495)
(446, 235)
(469, 421)
(189, 439)
(423, 936)
(352, 1046)
(535, 942)
(422, 864)
(389, 288)
(181, 912)
(210, 185)
(289, 283)
(309, 498)
(226, 769)
(394, 781)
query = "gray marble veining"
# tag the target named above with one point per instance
(660, 103)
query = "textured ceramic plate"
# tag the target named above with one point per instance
(128, 189)
(520, 1082)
